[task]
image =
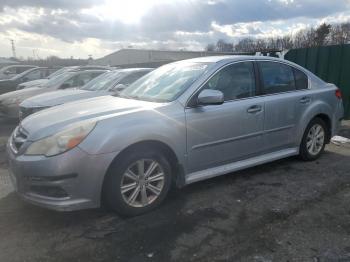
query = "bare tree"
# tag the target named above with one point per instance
(324, 34)
(321, 34)
(210, 48)
(340, 34)
(222, 46)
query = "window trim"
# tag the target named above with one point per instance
(200, 88)
(287, 64)
(295, 80)
(259, 85)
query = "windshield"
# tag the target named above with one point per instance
(58, 72)
(54, 81)
(22, 74)
(103, 82)
(165, 83)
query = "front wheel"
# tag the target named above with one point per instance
(314, 140)
(138, 182)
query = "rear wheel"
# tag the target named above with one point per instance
(138, 182)
(314, 140)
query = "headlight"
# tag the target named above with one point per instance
(62, 141)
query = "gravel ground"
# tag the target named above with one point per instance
(283, 211)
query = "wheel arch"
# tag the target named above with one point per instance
(327, 120)
(177, 169)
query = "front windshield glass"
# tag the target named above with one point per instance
(57, 79)
(165, 83)
(103, 82)
(58, 72)
(22, 74)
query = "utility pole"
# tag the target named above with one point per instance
(13, 48)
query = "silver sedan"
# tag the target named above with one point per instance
(182, 123)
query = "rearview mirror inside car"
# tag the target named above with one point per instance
(64, 86)
(118, 88)
(210, 97)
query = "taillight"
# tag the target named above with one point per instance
(338, 93)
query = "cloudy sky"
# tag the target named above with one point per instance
(80, 28)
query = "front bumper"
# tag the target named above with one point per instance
(10, 111)
(69, 181)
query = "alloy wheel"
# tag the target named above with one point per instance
(142, 183)
(315, 139)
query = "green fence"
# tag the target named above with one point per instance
(331, 63)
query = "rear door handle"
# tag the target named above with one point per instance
(305, 100)
(254, 109)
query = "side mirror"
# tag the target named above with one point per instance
(118, 88)
(7, 72)
(210, 97)
(64, 86)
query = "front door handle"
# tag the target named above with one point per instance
(305, 100)
(254, 109)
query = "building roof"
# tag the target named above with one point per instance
(150, 58)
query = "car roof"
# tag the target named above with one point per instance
(33, 66)
(90, 71)
(134, 69)
(216, 59)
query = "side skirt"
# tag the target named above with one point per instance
(239, 165)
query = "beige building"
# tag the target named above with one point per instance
(149, 58)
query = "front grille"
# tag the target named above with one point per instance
(24, 112)
(18, 138)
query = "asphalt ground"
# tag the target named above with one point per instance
(288, 210)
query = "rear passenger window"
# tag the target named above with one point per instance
(301, 80)
(234, 81)
(276, 77)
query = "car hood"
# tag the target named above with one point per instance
(60, 97)
(20, 95)
(55, 119)
(34, 83)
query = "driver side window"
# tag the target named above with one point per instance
(235, 81)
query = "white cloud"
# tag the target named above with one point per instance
(82, 27)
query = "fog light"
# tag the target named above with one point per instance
(49, 191)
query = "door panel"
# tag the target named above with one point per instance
(280, 119)
(218, 134)
(223, 133)
(281, 104)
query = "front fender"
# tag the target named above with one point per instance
(117, 133)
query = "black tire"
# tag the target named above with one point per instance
(112, 195)
(303, 151)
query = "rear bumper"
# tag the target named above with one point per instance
(337, 118)
(66, 182)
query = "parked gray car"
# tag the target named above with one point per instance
(9, 102)
(40, 82)
(10, 71)
(108, 83)
(182, 123)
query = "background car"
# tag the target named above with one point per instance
(60, 71)
(8, 72)
(39, 82)
(9, 85)
(9, 102)
(181, 123)
(108, 83)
